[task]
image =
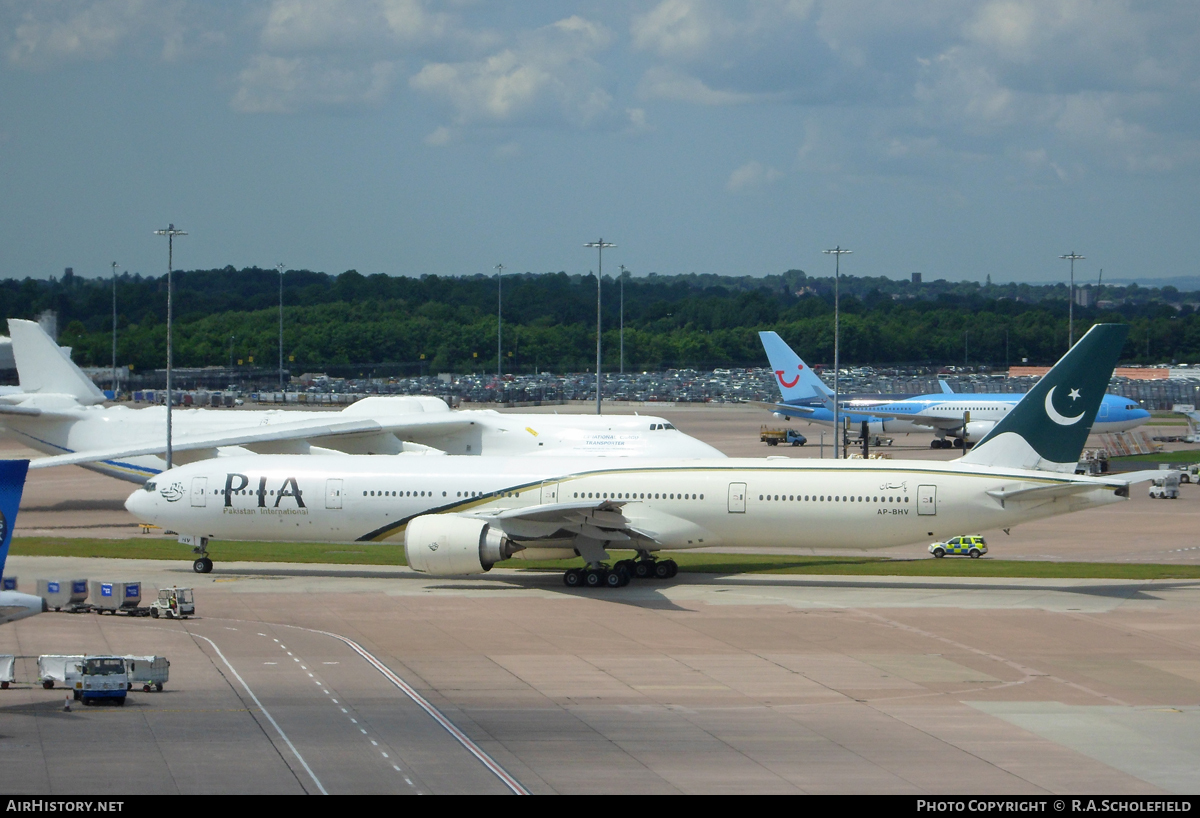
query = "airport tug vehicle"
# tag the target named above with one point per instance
(966, 545)
(99, 678)
(173, 603)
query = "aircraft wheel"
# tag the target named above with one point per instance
(958, 444)
(615, 579)
(203, 565)
(935, 444)
(593, 578)
(674, 568)
(643, 569)
(572, 578)
(662, 569)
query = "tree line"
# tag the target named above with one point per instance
(434, 323)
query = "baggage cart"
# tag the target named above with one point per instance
(63, 593)
(116, 596)
(148, 671)
(7, 663)
(55, 668)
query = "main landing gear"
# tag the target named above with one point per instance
(598, 575)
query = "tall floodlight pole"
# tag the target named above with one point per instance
(170, 232)
(279, 267)
(599, 245)
(623, 271)
(1071, 306)
(837, 254)
(499, 315)
(114, 345)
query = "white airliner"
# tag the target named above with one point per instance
(461, 516)
(953, 418)
(58, 412)
(13, 604)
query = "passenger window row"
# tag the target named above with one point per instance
(596, 495)
(831, 498)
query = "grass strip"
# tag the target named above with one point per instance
(149, 548)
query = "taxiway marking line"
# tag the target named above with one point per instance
(267, 713)
(474, 749)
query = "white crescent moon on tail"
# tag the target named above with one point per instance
(1053, 414)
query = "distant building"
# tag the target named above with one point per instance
(1085, 296)
(916, 278)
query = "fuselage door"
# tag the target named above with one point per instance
(1103, 410)
(333, 492)
(549, 493)
(927, 500)
(199, 492)
(737, 498)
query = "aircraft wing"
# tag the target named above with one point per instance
(601, 521)
(273, 433)
(1053, 491)
(924, 418)
(33, 411)
(787, 408)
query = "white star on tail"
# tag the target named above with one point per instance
(1073, 394)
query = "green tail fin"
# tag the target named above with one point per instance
(1048, 428)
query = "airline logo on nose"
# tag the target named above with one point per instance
(1055, 415)
(172, 493)
(788, 384)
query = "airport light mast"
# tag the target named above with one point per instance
(599, 245)
(279, 267)
(114, 345)
(499, 316)
(623, 272)
(170, 232)
(1071, 303)
(837, 254)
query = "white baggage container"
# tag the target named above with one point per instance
(115, 596)
(54, 668)
(63, 593)
(6, 670)
(148, 671)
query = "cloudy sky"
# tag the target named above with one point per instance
(956, 138)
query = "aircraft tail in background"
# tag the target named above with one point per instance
(796, 381)
(1048, 428)
(44, 369)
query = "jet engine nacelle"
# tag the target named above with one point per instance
(447, 545)
(976, 429)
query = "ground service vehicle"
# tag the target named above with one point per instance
(99, 678)
(966, 545)
(1165, 487)
(773, 437)
(173, 603)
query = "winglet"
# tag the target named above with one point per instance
(796, 381)
(1048, 428)
(946, 390)
(43, 368)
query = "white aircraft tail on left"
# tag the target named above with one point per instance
(44, 369)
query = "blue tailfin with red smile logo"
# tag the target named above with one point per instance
(796, 381)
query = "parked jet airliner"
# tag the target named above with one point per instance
(462, 516)
(952, 417)
(58, 412)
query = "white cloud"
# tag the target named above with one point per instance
(440, 136)
(323, 25)
(286, 85)
(551, 73)
(663, 82)
(751, 176)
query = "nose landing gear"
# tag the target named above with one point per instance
(202, 565)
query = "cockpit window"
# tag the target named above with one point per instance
(667, 426)
(150, 486)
